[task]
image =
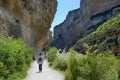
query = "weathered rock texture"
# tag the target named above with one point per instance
(83, 21)
(108, 41)
(105, 38)
(28, 19)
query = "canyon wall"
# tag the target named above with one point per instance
(28, 19)
(83, 21)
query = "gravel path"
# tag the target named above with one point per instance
(46, 74)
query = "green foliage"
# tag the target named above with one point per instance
(111, 25)
(92, 67)
(60, 62)
(15, 58)
(52, 54)
(102, 66)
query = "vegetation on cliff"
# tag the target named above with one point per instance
(109, 27)
(105, 37)
(15, 58)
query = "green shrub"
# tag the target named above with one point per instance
(92, 67)
(52, 54)
(102, 66)
(60, 62)
(15, 58)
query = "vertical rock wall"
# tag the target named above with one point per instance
(27, 19)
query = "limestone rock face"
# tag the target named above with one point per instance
(109, 40)
(28, 19)
(83, 21)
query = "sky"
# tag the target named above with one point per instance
(64, 6)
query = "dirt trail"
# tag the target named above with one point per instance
(46, 74)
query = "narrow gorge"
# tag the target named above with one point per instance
(85, 46)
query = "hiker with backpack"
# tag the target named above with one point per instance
(40, 62)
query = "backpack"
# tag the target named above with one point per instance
(40, 59)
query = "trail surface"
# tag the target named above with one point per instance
(46, 74)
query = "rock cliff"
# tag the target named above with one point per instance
(83, 21)
(28, 19)
(105, 38)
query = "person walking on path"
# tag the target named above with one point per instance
(40, 62)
